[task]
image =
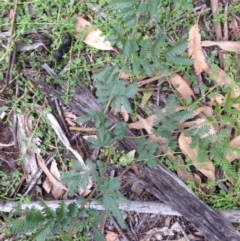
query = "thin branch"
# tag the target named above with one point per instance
(149, 207)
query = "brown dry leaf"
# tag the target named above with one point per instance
(146, 96)
(136, 188)
(56, 191)
(217, 26)
(182, 172)
(142, 123)
(195, 50)
(50, 177)
(159, 233)
(234, 24)
(201, 114)
(81, 24)
(233, 143)
(47, 185)
(70, 122)
(197, 180)
(222, 79)
(235, 28)
(181, 86)
(148, 124)
(94, 37)
(124, 113)
(236, 144)
(216, 99)
(206, 110)
(124, 76)
(207, 168)
(231, 46)
(111, 236)
(197, 123)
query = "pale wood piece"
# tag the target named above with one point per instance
(173, 192)
(148, 207)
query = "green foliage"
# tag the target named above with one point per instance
(169, 121)
(9, 183)
(47, 222)
(217, 145)
(112, 90)
(97, 117)
(108, 190)
(146, 150)
(75, 179)
(120, 130)
(145, 55)
(151, 56)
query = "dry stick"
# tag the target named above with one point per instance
(54, 181)
(12, 54)
(217, 29)
(6, 145)
(36, 177)
(149, 89)
(15, 119)
(148, 207)
(76, 128)
(119, 230)
(152, 79)
(225, 24)
(61, 117)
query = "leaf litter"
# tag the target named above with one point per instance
(95, 39)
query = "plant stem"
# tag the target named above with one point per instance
(110, 151)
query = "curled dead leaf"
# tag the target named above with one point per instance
(207, 168)
(222, 79)
(94, 38)
(231, 46)
(146, 96)
(216, 99)
(111, 236)
(142, 123)
(236, 144)
(181, 86)
(123, 75)
(182, 172)
(124, 113)
(195, 50)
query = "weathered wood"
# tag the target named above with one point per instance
(83, 99)
(131, 206)
(149, 207)
(169, 188)
(173, 192)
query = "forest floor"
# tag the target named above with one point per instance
(88, 91)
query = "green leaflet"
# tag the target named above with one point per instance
(113, 89)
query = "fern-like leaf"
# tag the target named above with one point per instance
(33, 220)
(179, 60)
(43, 232)
(122, 4)
(97, 234)
(178, 48)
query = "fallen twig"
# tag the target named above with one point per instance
(12, 56)
(52, 179)
(35, 178)
(149, 207)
